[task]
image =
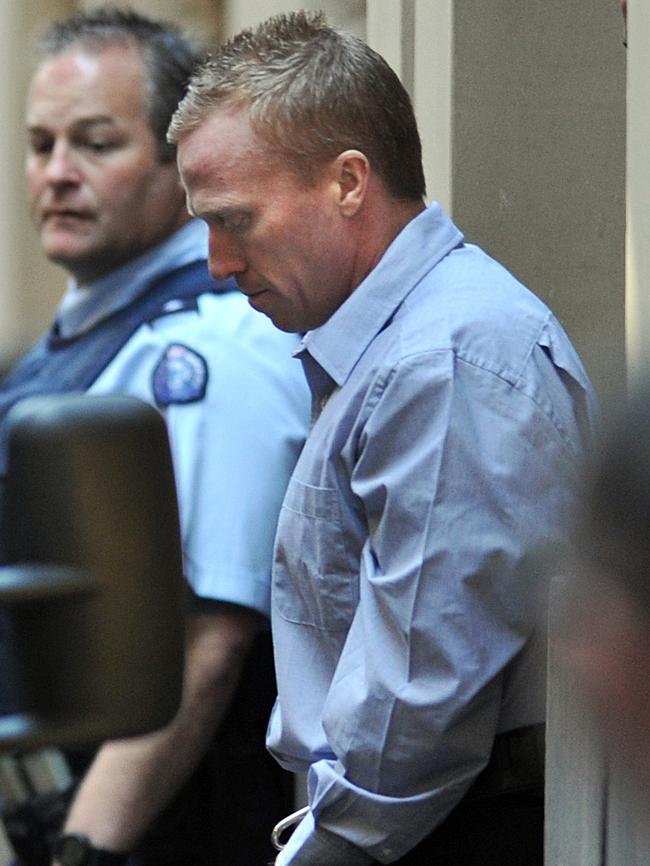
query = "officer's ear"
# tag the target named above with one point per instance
(94, 591)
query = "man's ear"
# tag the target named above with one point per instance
(352, 171)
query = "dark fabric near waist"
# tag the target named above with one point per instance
(516, 763)
(500, 821)
(503, 830)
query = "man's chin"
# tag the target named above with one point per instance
(60, 255)
(61, 246)
(282, 322)
(76, 259)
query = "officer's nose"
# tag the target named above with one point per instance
(225, 255)
(62, 166)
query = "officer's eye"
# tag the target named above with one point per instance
(40, 144)
(100, 145)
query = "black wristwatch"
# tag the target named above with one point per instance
(73, 849)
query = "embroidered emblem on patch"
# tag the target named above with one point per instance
(180, 377)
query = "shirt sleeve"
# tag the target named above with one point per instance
(459, 476)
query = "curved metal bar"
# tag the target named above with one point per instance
(284, 824)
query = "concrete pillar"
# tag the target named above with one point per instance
(638, 189)
(539, 158)
(416, 38)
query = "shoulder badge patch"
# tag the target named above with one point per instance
(181, 376)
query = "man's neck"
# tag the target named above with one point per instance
(379, 226)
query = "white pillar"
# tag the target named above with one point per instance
(432, 94)
(638, 190)
(416, 38)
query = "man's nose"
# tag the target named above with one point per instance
(62, 166)
(225, 256)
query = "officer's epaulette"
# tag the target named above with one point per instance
(180, 290)
(176, 305)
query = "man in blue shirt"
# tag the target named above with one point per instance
(141, 316)
(450, 414)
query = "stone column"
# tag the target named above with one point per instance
(416, 38)
(638, 189)
(539, 158)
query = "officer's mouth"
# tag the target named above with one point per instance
(65, 215)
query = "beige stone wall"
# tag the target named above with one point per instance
(9, 148)
(203, 18)
(245, 13)
(28, 287)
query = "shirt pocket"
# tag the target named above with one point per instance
(313, 573)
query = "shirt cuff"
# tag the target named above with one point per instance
(312, 846)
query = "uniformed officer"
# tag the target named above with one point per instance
(142, 316)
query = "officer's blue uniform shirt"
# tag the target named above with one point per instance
(450, 417)
(236, 406)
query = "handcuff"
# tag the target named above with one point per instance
(286, 824)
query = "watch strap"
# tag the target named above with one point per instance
(75, 849)
(108, 858)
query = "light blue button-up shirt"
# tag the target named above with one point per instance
(451, 415)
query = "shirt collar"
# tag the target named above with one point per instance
(82, 307)
(338, 345)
